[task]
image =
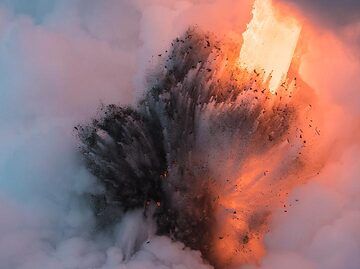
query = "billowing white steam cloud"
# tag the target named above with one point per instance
(60, 59)
(320, 229)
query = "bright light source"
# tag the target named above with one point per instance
(269, 43)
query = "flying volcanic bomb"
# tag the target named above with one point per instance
(225, 130)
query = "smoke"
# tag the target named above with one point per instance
(60, 59)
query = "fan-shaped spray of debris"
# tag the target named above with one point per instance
(189, 148)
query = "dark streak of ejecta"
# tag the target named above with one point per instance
(153, 156)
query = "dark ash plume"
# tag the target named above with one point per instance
(162, 151)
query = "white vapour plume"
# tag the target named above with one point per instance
(55, 69)
(58, 60)
(320, 229)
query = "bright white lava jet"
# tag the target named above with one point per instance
(269, 43)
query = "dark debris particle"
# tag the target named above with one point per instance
(245, 239)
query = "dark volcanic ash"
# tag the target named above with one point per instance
(206, 152)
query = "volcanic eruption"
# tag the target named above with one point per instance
(222, 134)
(179, 134)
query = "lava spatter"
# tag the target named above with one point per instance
(208, 145)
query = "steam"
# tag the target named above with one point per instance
(321, 228)
(54, 74)
(60, 60)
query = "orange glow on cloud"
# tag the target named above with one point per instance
(263, 181)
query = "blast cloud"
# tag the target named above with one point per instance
(60, 59)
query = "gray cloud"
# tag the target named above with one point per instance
(332, 12)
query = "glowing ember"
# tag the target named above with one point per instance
(269, 43)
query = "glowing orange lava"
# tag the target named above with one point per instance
(269, 43)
